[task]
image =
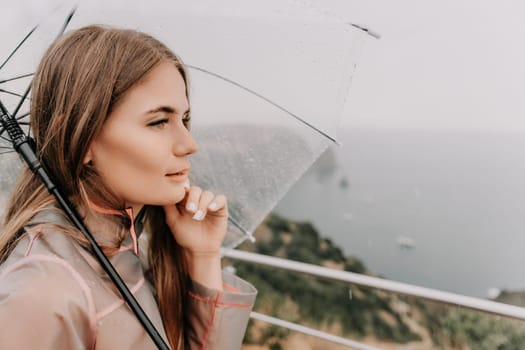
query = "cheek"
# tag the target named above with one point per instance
(121, 159)
(137, 159)
(135, 171)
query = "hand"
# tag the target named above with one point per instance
(198, 223)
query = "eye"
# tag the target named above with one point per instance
(186, 120)
(159, 122)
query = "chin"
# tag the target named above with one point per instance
(179, 198)
(173, 199)
(163, 197)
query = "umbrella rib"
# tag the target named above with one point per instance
(20, 122)
(2, 130)
(17, 77)
(236, 224)
(7, 152)
(11, 93)
(265, 99)
(19, 118)
(17, 47)
(21, 102)
(66, 23)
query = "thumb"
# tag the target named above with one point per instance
(181, 205)
(174, 211)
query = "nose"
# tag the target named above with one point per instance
(183, 143)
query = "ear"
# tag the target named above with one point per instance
(88, 158)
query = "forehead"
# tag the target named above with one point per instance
(163, 85)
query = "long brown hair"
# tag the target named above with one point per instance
(79, 80)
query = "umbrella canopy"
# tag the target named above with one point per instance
(268, 85)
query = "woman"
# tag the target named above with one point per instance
(110, 118)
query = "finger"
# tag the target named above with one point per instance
(171, 212)
(182, 203)
(193, 198)
(202, 208)
(218, 203)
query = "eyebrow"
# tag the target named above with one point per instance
(165, 109)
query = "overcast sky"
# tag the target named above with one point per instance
(454, 64)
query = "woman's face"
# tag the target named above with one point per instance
(143, 148)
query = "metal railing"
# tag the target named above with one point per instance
(472, 303)
(313, 332)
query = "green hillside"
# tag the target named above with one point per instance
(353, 311)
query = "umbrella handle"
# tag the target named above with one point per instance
(25, 147)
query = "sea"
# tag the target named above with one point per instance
(440, 209)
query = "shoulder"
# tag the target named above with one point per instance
(46, 295)
(44, 281)
(43, 258)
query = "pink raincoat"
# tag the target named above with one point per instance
(54, 295)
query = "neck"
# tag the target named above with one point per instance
(106, 230)
(136, 208)
(99, 217)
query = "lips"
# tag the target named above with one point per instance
(181, 173)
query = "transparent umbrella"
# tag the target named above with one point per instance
(268, 85)
(269, 82)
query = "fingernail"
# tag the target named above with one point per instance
(186, 184)
(212, 206)
(199, 215)
(191, 207)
